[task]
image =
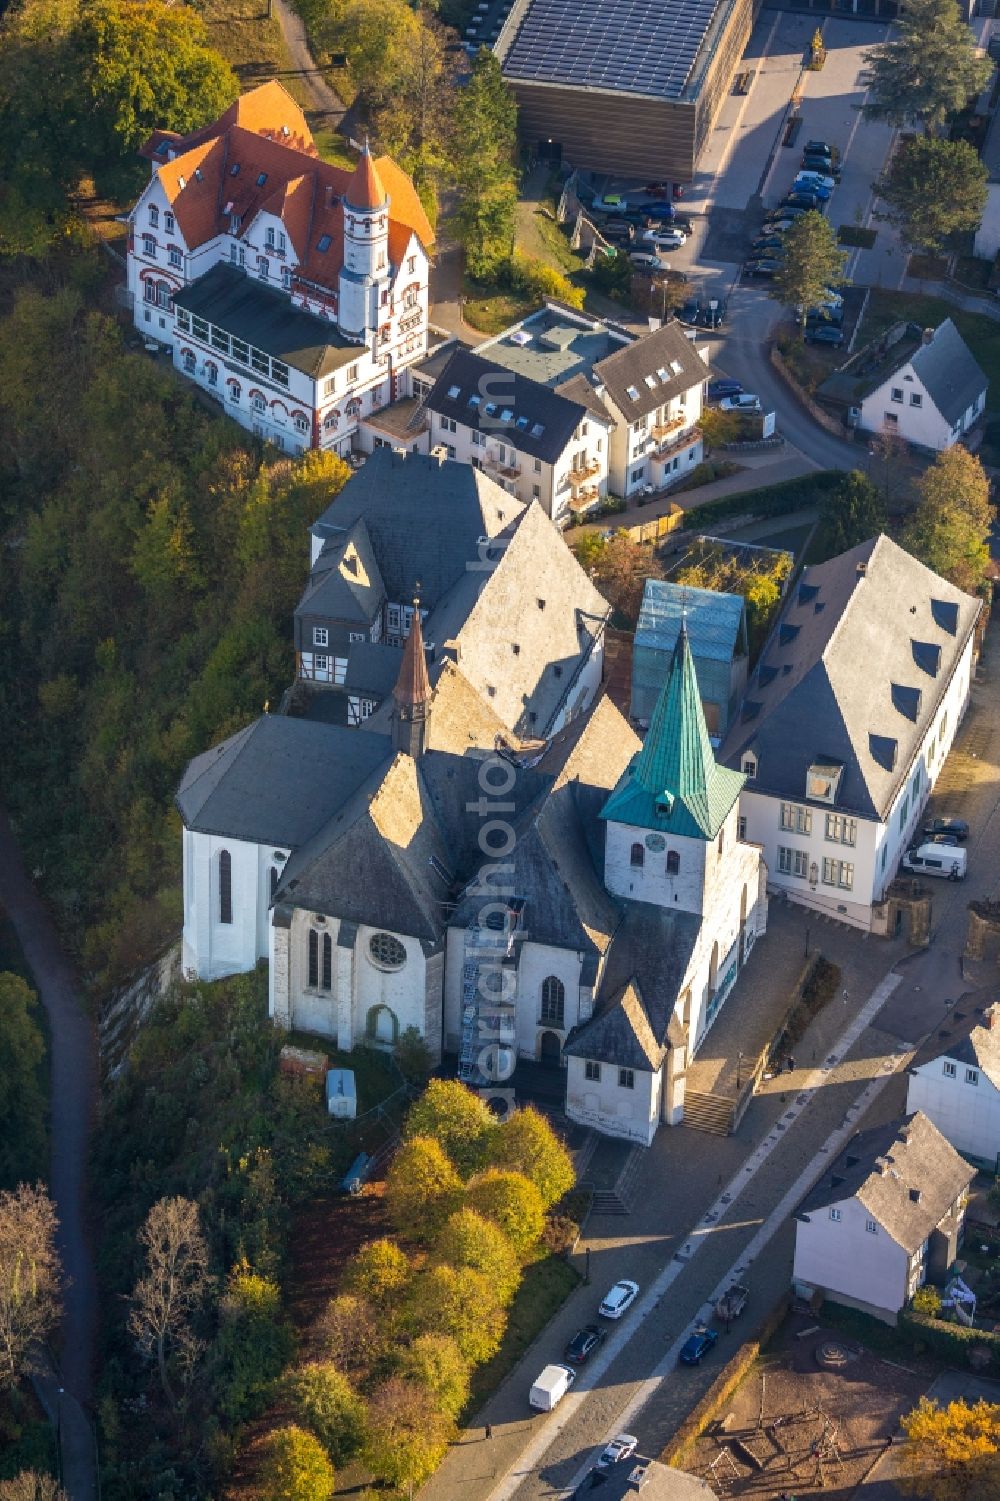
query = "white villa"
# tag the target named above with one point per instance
(959, 1087)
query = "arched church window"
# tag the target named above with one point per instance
(225, 886)
(638, 857)
(673, 862)
(327, 962)
(312, 978)
(553, 1001)
(386, 952)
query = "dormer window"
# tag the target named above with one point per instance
(749, 767)
(823, 781)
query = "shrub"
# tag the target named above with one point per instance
(770, 500)
(378, 1272)
(326, 1403)
(926, 1300)
(349, 1334)
(413, 1056)
(560, 1234)
(295, 1467)
(535, 279)
(253, 1346)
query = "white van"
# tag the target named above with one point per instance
(949, 861)
(551, 1386)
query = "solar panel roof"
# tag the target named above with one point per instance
(631, 46)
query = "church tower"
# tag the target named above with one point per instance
(673, 815)
(411, 710)
(365, 272)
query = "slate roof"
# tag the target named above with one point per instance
(715, 622)
(944, 364)
(277, 780)
(424, 518)
(657, 367)
(372, 669)
(822, 691)
(674, 785)
(266, 318)
(345, 582)
(974, 1040)
(905, 1173)
(949, 373)
(491, 399)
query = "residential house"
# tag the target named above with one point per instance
(295, 293)
(920, 384)
(958, 1085)
(716, 624)
(885, 1217)
(848, 718)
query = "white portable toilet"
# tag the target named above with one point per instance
(341, 1095)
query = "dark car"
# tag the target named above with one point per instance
(788, 212)
(681, 221)
(657, 189)
(698, 1344)
(801, 200)
(717, 389)
(955, 826)
(712, 317)
(768, 242)
(825, 333)
(820, 148)
(821, 164)
(689, 312)
(616, 229)
(767, 266)
(658, 210)
(825, 317)
(584, 1343)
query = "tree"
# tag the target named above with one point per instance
(953, 1452)
(888, 450)
(526, 1143)
(459, 1302)
(422, 1188)
(379, 1272)
(455, 1117)
(349, 1333)
(253, 1345)
(484, 145)
(620, 570)
(413, 118)
(29, 1485)
(413, 1056)
(929, 70)
(326, 1403)
(512, 1202)
(295, 1467)
(30, 1277)
(435, 1362)
(760, 580)
(850, 514)
(378, 37)
(933, 188)
(407, 1435)
(22, 1096)
(468, 1239)
(165, 1300)
(812, 262)
(949, 528)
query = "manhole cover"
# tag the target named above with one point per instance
(832, 1355)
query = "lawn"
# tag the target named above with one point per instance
(493, 308)
(981, 334)
(253, 44)
(547, 1284)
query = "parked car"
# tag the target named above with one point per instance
(789, 212)
(584, 1343)
(824, 333)
(722, 387)
(645, 260)
(610, 203)
(954, 826)
(764, 267)
(680, 221)
(657, 189)
(618, 1299)
(821, 148)
(947, 862)
(824, 164)
(664, 238)
(821, 179)
(746, 401)
(803, 200)
(834, 315)
(810, 185)
(659, 210)
(698, 1344)
(779, 225)
(768, 242)
(689, 312)
(551, 1386)
(621, 1447)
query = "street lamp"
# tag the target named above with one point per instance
(739, 1069)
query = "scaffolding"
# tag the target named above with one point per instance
(488, 1025)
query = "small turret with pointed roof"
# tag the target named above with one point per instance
(411, 713)
(675, 785)
(365, 190)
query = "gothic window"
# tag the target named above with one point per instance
(386, 952)
(225, 886)
(327, 962)
(553, 1001)
(638, 856)
(313, 976)
(673, 862)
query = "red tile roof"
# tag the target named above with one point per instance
(365, 188)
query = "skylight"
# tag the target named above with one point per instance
(522, 423)
(632, 393)
(490, 408)
(453, 392)
(676, 366)
(506, 414)
(474, 401)
(537, 429)
(323, 243)
(651, 382)
(262, 179)
(234, 170)
(663, 374)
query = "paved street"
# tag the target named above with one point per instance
(707, 1207)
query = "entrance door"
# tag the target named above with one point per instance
(551, 1049)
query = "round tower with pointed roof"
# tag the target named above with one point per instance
(366, 250)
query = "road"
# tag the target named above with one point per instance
(325, 100)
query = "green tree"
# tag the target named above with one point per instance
(929, 70)
(461, 1303)
(29, 1485)
(526, 1143)
(30, 1278)
(812, 262)
(378, 38)
(513, 1202)
(468, 1239)
(413, 117)
(953, 1452)
(850, 514)
(435, 1362)
(933, 188)
(422, 1188)
(484, 145)
(413, 1056)
(407, 1436)
(253, 1345)
(949, 528)
(326, 1403)
(457, 1118)
(379, 1272)
(22, 1096)
(295, 1467)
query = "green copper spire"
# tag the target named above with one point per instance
(674, 784)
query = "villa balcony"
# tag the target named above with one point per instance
(505, 470)
(585, 472)
(584, 498)
(664, 429)
(669, 447)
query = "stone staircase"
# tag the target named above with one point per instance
(618, 1200)
(709, 1112)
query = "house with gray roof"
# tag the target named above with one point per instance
(956, 1081)
(847, 721)
(921, 384)
(717, 632)
(886, 1216)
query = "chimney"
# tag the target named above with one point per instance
(915, 1194)
(991, 1017)
(638, 1477)
(329, 196)
(882, 1166)
(928, 336)
(862, 570)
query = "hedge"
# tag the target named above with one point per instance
(771, 500)
(951, 1341)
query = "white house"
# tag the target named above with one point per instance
(959, 1087)
(886, 1216)
(926, 387)
(847, 721)
(294, 292)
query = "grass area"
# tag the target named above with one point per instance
(927, 267)
(333, 147)
(547, 1284)
(492, 308)
(253, 44)
(881, 1338)
(981, 334)
(800, 494)
(789, 539)
(853, 234)
(971, 271)
(560, 255)
(810, 364)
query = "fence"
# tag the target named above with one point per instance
(659, 526)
